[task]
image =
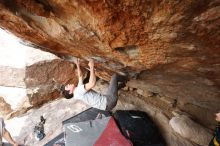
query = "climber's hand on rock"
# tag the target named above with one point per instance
(77, 62)
(91, 64)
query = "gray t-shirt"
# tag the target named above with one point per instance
(2, 126)
(90, 97)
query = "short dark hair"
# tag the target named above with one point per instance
(66, 93)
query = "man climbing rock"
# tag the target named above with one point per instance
(216, 138)
(83, 91)
(5, 134)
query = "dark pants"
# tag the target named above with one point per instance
(112, 92)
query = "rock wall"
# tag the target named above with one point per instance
(29, 77)
(127, 35)
(40, 83)
(5, 108)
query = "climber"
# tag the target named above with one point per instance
(5, 134)
(216, 137)
(83, 91)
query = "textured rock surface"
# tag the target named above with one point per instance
(130, 35)
(22, 127)
(38, 83)
(5, 108)
(184, 126)
(185, 91)
(42, 79)
(29, 77)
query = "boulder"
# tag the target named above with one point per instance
(191, 130)
(31, 77)
(5, 108)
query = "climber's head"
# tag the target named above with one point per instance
(67, 90)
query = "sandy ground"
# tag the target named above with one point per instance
(21, 128)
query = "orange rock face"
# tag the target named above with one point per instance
(175, 37)
(129, 35)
